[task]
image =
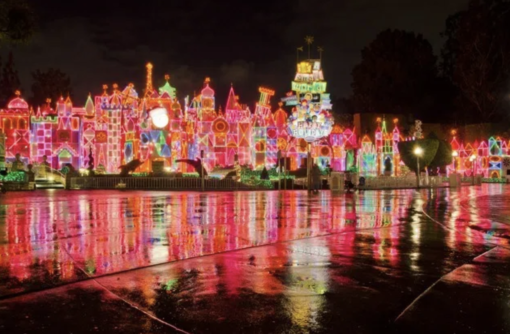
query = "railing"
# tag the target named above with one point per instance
(155, 183)
(390, 182)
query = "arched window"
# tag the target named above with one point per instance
(22, 124)
(7, 123)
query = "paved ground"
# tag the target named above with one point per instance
(259, 262)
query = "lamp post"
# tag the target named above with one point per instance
(418, 151)
(279, 167)
(455, 154)
(202, 181)
(472, 158)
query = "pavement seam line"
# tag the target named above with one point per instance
(434, 284)
(419, 297)
(141, 310)
(94, 279)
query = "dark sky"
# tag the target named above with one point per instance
(248, 43)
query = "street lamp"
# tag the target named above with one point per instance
(418, 151)
(455, 154)
(472, 158)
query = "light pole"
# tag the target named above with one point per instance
(202, 181)
(455, 154)
(418, 151)
(472, 158)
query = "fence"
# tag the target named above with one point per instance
(155, 183)
(389, 182)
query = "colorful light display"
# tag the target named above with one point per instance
(118, 126)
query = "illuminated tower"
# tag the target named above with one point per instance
(88, 132)
(205, 104)
(130, 124)
(309, 84)
(66, 143)
(396, 154)
(259, 127)
(43, 124)
(14, 123)
(386, 154)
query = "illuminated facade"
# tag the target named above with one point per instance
(15, 124)
(118, 126)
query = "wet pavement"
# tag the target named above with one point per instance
(256, 262)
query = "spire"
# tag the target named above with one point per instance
(231, 100)
(89, 106)
(149, 88)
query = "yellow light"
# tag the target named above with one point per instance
(418, 151)
(455, 154)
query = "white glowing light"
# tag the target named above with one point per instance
(418, 151)
(159, 117)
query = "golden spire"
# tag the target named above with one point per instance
(149, 87)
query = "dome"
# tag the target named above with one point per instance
(17, 103)
(207, 91)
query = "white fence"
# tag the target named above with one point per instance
(155, 183)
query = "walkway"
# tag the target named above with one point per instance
(259, 262)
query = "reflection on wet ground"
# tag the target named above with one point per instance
(256, 262)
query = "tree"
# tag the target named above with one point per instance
(52, 84)
(443, 155)
(406, 150)
(17, 21)
(398, 74)
(476, 57)
(9, 81)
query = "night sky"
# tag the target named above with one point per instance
(247, 43)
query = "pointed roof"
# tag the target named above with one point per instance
(280, 116)
(145, 114)
(167, 89)
(232, 99)
(89, 106)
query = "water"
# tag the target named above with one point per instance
(252, 261)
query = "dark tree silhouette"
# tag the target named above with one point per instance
(52, 84)
(398, 74)
(9, 81)
(17, 21)
(476, 57)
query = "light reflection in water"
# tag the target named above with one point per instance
(105, 232)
